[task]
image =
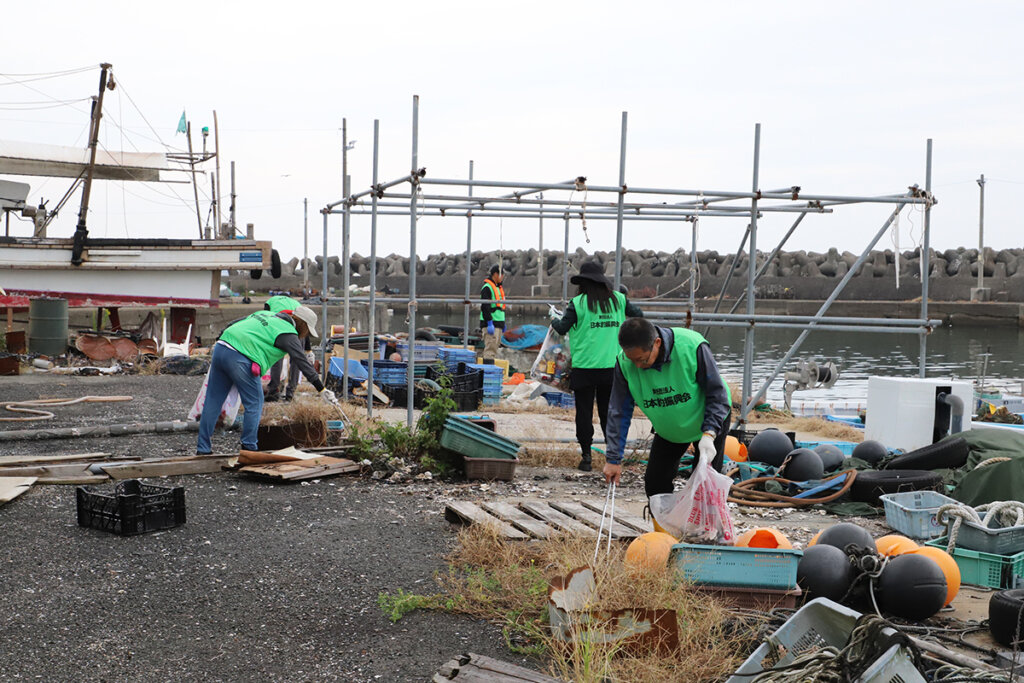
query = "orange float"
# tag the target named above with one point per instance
(948, 566)
(764, 537)
(734, 450)
(650, 550)
(894, 544)
(814, 540)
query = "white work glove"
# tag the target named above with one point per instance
(328, 396)
(706, 448)
(553, 312)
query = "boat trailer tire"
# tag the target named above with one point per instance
(871, 484)
(949, 454)
(255, 274)
(425, 335)
(1004, 616)
(275, 264)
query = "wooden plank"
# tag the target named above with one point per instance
(518, 519)
(167, 467)
(627, 519)
(592, 518)
(464, 512)
(556, 519)
(12, 487)
(46, 470)
(297, 470)
(71, 479)
(513, 671)
(6, 460)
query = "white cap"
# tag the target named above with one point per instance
(308, 316)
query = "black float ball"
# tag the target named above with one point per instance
(770, 447)
(844, 534)
(831, 457)
(912, 587)
(824, 571)
(802, 464)
(870, 451)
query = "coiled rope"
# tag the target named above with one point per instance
(1006, 512)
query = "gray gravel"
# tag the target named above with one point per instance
(263, 582)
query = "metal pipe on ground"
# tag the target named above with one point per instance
(99, 430)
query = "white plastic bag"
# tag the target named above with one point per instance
(552, 361)
(698, 513)
(228, 412)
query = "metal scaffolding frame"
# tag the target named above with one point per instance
(659, 204)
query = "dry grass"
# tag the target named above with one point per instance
(815, 425)
(504, 581)
(301, 410)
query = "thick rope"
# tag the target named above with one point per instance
(32, 407)
(744, 493)
(1007, 513)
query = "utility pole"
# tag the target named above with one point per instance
(81, 232)
(216, 152)
(195, 188)
(305, 247)
(981, 293)
(231, 209)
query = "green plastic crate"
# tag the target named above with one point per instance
(985, 569)
(466, 438)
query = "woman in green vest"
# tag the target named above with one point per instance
(592, 320)
(242, 355)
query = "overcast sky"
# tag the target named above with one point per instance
(847, 95)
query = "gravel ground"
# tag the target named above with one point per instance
(268, 582)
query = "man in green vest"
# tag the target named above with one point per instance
(671, 375)
(492, 316)
(244, 353)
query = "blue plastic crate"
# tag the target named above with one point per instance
(723, 565)
(913, 513)
(560, 399)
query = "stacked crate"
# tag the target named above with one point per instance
(493, 375)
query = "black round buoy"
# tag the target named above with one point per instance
(912, 587)
(770, 447)
(824, 572)
(844, 534)
(802, 464)
(831, 457)
(870, 451)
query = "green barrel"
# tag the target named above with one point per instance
(48, 326)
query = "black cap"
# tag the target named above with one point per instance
(494, 269)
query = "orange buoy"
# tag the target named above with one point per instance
(948, 566)
(894, 544)
(814, 540)
(650, 550)
(734, 450)
(764, 537)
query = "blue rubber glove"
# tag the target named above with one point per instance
(490, 327)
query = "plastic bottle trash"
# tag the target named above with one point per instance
(42, 363)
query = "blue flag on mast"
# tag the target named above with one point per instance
(182, 124)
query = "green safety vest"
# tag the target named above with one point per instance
(670, 397)
(276, 304)
(595, 336)
(254, 338)
(498, 295)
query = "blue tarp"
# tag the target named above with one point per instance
(524, 336)
(356, 372)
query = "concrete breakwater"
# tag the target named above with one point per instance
(790, 275)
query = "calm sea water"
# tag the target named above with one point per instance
(955, 352)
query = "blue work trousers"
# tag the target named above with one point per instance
(230, 368)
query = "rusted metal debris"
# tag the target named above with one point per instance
(637, 630)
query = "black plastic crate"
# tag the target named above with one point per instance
(131, 508)
(399, 395)
(460, 381)
(468, 400)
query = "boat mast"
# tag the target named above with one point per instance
(81, 233)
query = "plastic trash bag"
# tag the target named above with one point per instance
(697, 513)
(552, 363)
(228, 411)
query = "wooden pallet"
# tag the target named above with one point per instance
(479, 669)
(526, 520)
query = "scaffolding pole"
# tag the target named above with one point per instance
(371, 315)
(469, 265)
(410, 375)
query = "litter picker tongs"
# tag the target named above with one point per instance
(609, 511)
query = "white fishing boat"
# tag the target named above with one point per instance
(92, 272)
